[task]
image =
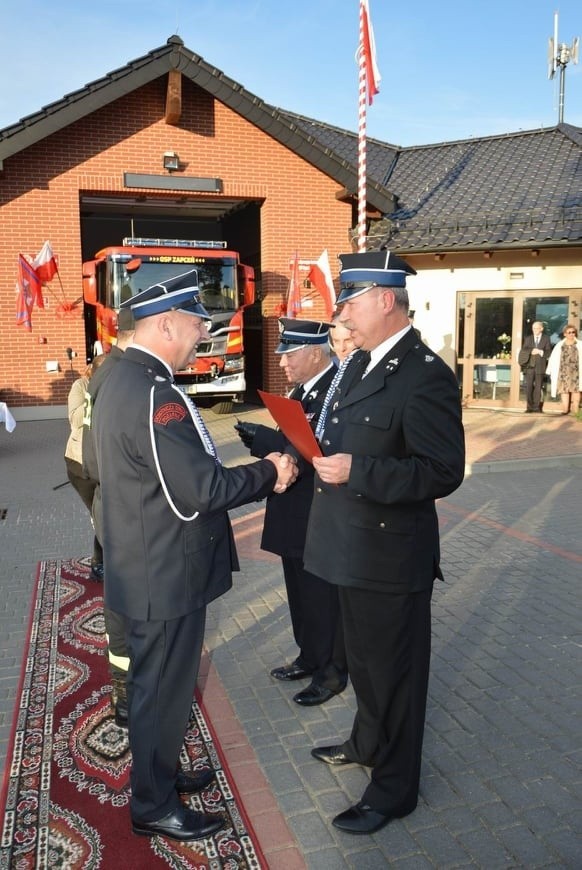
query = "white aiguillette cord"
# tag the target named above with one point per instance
(205, 436)
(332, 388)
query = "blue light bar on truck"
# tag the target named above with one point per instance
(173, 243)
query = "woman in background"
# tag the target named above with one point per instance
(74, 455)
(565, 370)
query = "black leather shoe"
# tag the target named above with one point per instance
(121, 715)
(190, 783)
(313, 695)
(182, 824)
(331, 755)
(361, 819)
(290, 672)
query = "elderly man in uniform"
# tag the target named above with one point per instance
(313, 604)
(393, 443)
(168, 544)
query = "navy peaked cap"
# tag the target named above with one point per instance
(179, 293)
(360, 272)
(294, 334)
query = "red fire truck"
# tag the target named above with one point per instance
(226, 288)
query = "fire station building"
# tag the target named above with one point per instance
(169, 147)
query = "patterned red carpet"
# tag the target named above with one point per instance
(65, 793)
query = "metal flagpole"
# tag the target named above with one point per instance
(362, 198)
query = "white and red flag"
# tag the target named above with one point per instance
(368, 48)
(320, 277)
(45, 264)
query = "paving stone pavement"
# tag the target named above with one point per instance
(501, 780)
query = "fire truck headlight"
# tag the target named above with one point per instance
(234, 364)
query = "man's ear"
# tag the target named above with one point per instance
(388, 300)
(166, 326)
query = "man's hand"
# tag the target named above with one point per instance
(246, 432)
(333, 469)
(286, 470)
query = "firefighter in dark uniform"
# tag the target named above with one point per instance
(168, 544)
(393, 443)
(117, 656)
(313, 603)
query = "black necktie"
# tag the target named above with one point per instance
(365, 361)
(297, 392)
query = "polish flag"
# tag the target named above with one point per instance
(45, 264)
(373, 76)
(320, 277)
(294, 294)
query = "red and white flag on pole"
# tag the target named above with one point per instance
(294, 294)
(320, 277)
(45, 264)
(368, 48)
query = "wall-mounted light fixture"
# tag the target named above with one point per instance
(171, 161)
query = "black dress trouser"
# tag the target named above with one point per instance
(164, 663)
(387, 641)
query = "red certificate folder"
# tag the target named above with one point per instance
(290, 417)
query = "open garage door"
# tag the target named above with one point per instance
(107, 219)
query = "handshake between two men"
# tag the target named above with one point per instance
(285, 464)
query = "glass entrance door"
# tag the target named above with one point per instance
(491, 331)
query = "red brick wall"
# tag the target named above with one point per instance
(39, 199)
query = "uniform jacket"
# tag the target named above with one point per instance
(402, 425)
(536, 361)
(159, 565)
(286, 514)
(95, 382)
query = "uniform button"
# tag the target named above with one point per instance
(318, 489)
(326, 442)
(334, 420)
(366, 419)
(382, 525)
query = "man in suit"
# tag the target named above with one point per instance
(393, 443)
(534, 357)
(313, 604)
(117, 655)
(168, 545)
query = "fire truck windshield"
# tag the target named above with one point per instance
(216, 278)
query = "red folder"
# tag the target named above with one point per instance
(290, 417)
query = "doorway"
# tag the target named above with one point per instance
(491, 331)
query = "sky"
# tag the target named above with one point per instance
(450, 70)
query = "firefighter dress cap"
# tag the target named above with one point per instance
(295, 334)
(180, 293)
(361, 272)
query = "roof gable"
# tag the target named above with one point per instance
(174, 56)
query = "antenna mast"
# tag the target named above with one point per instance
(558, 58)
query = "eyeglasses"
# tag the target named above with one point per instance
(570, 332)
